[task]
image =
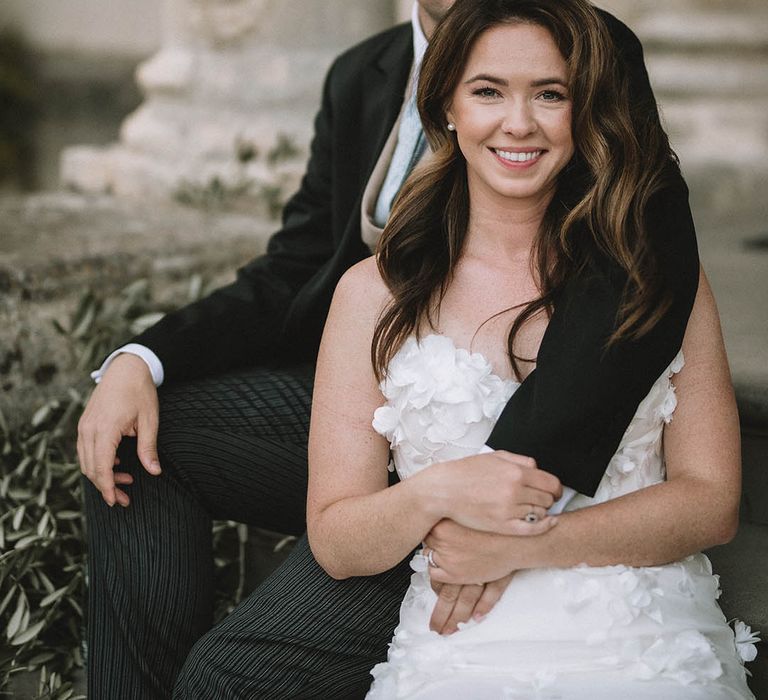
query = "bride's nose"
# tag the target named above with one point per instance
(519, 120)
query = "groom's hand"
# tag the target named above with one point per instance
(457, 604)
(124, 403)
(462, 555)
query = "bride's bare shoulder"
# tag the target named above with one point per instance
(358, 301)
(362, 288)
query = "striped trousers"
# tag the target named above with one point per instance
(234, 448)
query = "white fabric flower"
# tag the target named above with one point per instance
(442, 402)
(687, 658)
(745, 640)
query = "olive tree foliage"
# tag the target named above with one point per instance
(43, 572)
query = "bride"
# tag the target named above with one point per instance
(522, 587)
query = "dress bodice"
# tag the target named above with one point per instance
(443, 401)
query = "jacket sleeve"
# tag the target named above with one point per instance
(242, 323)
(572, 411)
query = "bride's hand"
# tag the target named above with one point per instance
(456, 603)
(460, 555)
(495, 492)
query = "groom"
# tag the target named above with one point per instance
(225, 436)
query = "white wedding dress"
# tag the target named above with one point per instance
(583, 633)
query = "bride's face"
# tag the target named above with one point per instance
(512, 112)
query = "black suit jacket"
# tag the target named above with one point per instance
(570, 413)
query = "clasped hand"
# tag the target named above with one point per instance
(476, 543)
(494, 492)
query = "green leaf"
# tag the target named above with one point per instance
(18, 615)
(76, 606)
(84, 317)
(22, 466)
(7, 599)
(143, 322)
(68, 515)
(18, 517)
(28, 634)
(53, 597)
(136, 289)
(46, 581)
(42, 448)
(43, 524)
(24, 542)
(42, 413)
(41, 658)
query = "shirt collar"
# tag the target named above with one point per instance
(419, 40)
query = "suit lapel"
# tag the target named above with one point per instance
(386, 80)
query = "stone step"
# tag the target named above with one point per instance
(703, 29)
(711, 134)
(738, 76)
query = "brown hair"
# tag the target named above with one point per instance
(622, 158)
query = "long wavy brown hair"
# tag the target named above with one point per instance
(622, 158)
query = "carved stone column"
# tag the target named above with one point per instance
(708, 63)
(231, 93)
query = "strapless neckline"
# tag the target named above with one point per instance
(469, 353)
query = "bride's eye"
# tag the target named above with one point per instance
(487, 92)
(552, 96)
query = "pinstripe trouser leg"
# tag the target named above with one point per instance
(300, 636)
(232, 447)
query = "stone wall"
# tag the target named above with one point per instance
(123, 27)
(249, 71)
(232, 77)
(708, 63)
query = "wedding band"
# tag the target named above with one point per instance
(431, 559)
(531, 518)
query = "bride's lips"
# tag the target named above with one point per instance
(517, 158)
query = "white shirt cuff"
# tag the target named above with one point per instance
(559, 505)
(152, 360)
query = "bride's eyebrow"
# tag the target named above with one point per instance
(487, 77)
(549, 81)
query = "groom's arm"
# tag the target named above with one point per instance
(695, 508)
(572, 411)
(241, 323)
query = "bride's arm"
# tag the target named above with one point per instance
(695, 508)
(356, 525)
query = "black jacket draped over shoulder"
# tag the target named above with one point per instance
(573, 409)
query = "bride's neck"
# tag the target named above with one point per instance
(504, 230)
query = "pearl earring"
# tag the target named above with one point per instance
(451, 126)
